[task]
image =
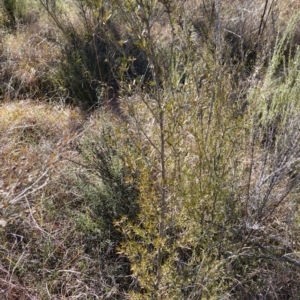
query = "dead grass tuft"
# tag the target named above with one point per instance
(33, 137)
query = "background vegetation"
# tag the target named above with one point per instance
(149, 149)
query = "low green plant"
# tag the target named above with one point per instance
(10, 7)
(109, 193)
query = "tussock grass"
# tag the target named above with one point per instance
(28, 70)
(34, 136)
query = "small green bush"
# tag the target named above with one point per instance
(10, 8)
(109, 194)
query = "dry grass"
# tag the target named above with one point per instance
(30, 65)
(33, 139)
(48, 252)
(37, 142)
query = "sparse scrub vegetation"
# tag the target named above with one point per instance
(149, 149)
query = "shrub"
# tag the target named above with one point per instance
(109, 193)
(95, 52)
(10, 9)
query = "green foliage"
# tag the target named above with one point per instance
(110, 193)
(185, 151)
(16, 12)
(97, 53)
(190, 226)
(10, 7)
(196, 223)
